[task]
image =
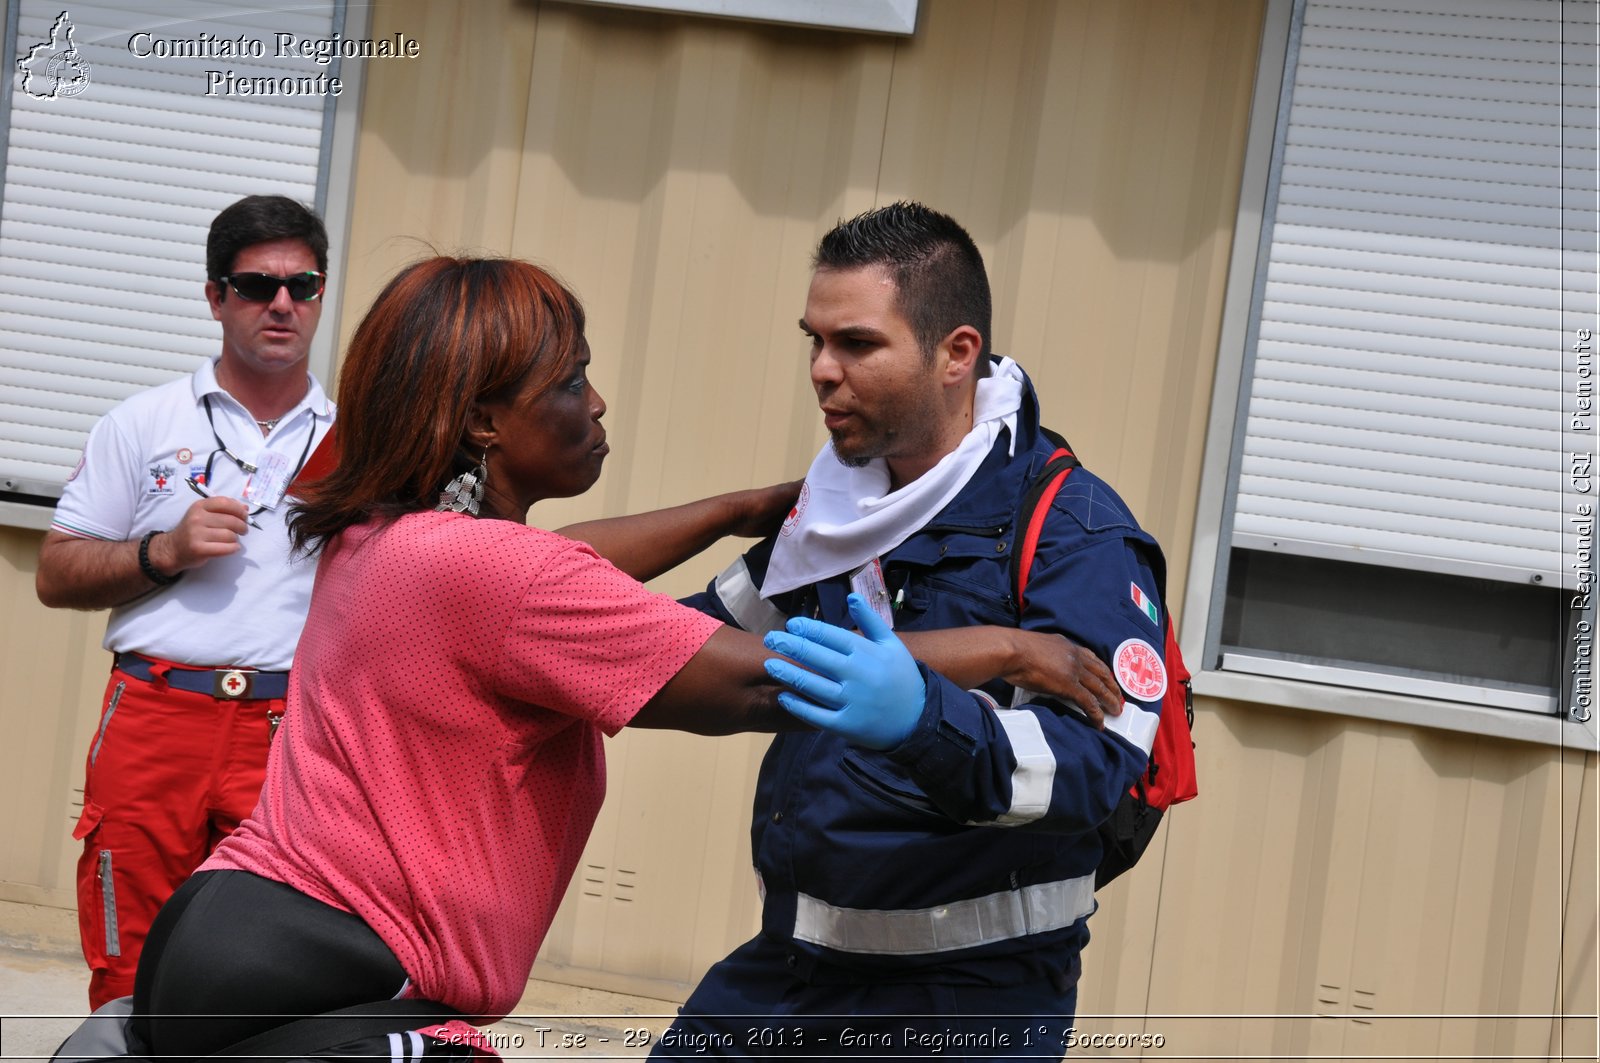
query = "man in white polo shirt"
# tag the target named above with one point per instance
(174, 519)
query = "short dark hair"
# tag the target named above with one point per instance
(444, 333)
(256, 220)
(938, 273)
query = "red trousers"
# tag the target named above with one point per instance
(170, 774)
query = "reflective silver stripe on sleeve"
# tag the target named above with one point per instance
(744, 602)
(1035, 774)
(966, 924)
(1135, 723)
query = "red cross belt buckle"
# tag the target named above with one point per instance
(234, 683)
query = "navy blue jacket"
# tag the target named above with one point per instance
(966, 853)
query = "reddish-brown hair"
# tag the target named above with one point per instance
(444, 333)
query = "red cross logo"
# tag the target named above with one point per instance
(234, 684)
(793, 518)
(1139, 670)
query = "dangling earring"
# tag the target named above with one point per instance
(462, 494)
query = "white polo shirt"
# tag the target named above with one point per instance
(245, 609)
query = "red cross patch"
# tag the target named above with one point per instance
(1140, 670)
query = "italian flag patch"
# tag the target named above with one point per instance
(1145, 605)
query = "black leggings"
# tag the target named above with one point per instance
(233, 954)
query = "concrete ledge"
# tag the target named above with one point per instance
(39, 928)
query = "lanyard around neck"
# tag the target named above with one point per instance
(245, 465)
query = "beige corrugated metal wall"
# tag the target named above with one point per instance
(677, 172)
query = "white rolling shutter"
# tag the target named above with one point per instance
(1431, 261)
(109, 188)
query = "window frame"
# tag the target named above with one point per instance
(1295, 688)
(893, 17)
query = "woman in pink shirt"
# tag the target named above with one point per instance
(440, 764)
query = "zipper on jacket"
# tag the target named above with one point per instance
(984, 529)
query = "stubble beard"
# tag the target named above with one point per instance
(912, 426)
(852, 461)
(884, 442)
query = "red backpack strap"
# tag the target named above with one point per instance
(1030, 518)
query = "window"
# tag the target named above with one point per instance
(126, 132)
(1407, 507)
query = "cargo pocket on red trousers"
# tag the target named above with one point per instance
(97, 892)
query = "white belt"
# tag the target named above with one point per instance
(965, 924)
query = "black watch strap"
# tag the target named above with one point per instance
(151, 573)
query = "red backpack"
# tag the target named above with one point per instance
(1170, 777)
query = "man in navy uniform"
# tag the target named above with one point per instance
(927, 884)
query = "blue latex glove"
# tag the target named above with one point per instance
(865, 689)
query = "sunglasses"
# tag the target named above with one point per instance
(263, 287)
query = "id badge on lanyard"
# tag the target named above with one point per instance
(868, 582)
(267, 479)
(265, 486)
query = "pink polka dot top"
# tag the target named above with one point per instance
(440, 764)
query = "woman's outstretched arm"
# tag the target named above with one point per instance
(644, 545)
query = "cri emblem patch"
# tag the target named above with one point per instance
(799, 509)
(160, 479)
(1139, 669)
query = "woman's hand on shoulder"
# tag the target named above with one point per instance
(761, 511)
(1054, 665)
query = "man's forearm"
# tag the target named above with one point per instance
(91, 573)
